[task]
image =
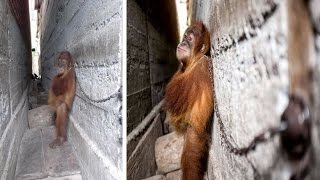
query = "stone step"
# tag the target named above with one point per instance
(37, 99)
(42, 98)
(38, 161)
(156, 177)
(168, 150)
(175, 175)
(33, 100)
(41, 117)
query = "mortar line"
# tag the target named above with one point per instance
(114, 171)
(105, 65)
(18, 109)
(6, 167)
(136, 29)
(242, 37)
(42, 152)
(75, 13)
(139, 91)
(90, 103)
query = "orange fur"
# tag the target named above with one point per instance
(189, 102)
(66, 89)
(61, 95)
(300, 48)
(189, 97)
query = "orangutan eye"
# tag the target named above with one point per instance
(60, 65)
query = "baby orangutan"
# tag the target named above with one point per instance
(189, 100)
(61, 95)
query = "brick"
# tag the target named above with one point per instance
(156, 177)
(175, 175)
(141, 163)
(168, 151)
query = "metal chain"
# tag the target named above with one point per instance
(117, 94)
(263, 137)
(224, 139)
(260, 138)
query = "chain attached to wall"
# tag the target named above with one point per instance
(117, 94)
(294, 131)
(263, 137)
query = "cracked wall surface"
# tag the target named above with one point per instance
(91, 31)
(15, 58)
(315, 14)
(152, 36)
(251, 73)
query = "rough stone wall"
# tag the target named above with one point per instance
(250, 63)
(251, 81)
(91, 31)
(14, 77)
(20, 10)
(315, 14)
(152, 36)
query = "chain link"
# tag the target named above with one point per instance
(263, 137)
(224, 140)
(117, 94)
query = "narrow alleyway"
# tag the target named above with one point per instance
(36, 160)
(263, 52)
(91, 32)
(152, 38)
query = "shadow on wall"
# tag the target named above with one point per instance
(162, 15)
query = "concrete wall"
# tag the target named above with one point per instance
(15, 62)
(91, 31)
(250, 56)
(152, 35)
(315, 14)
